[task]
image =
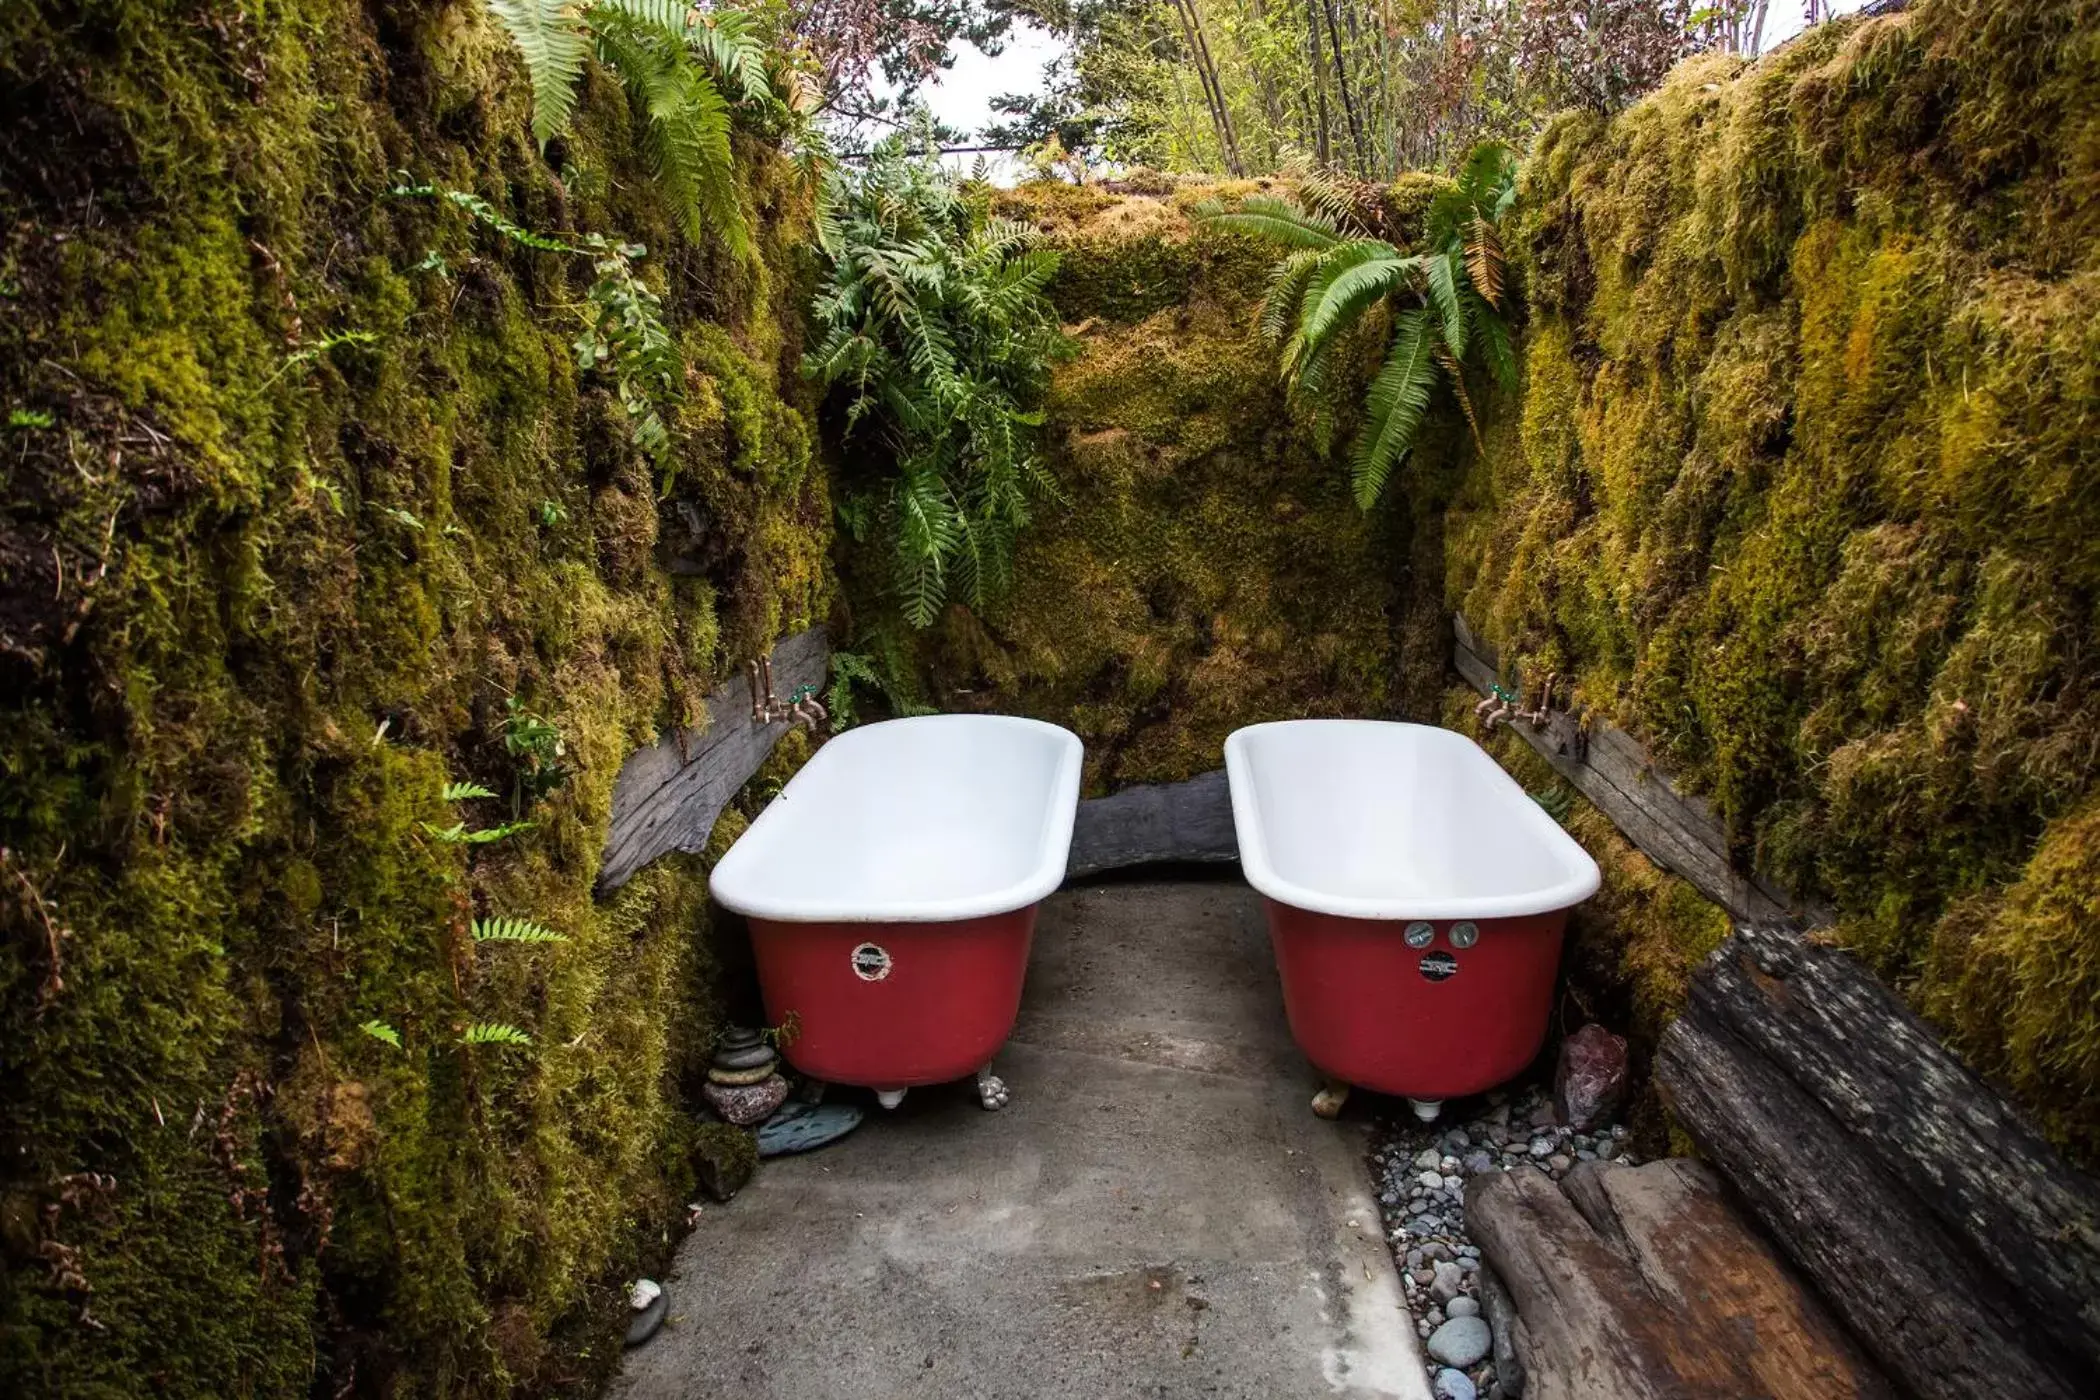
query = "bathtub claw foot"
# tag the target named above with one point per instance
(889, 1098)
(1328, 1102)
(991, 1090)
(1426, 1109)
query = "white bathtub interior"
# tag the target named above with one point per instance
(1371, 819)
(931, 818)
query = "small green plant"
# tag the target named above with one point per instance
(494, 1033)
(19, 418)
(935, 328)
(623, 334)
(549, 513)
(514, 931)
(380, 1030)
(879, 674)
(307, 354)
(1557, 801)
(538, 750)
(1444, 303)
(458, 834)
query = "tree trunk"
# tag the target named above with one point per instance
(1341, 80)
(1322, 146)
(1213, 90)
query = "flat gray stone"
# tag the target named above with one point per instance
(1455, 1385)
(1461, 1342)
(1158, 1212)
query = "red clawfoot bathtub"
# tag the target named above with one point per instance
(1416, 898)
(892, 890)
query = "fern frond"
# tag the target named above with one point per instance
(457, 834)
(1484, 259)
(1348, 282)
(1345, 202)
(1443, 278)
(380, 1030)
(1457, 375)
(928, 532)
(460, 792)
(514, 931)
(494, 1033)
(1490, 172)
(1265, 216)
(1491, 335)
(685, 136)
(1395, 407)
(551, 37)
(731, 43)
(1280, 303)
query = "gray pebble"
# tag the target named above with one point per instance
(1460, 1342)
(1462, 1306)
(1455, 1385)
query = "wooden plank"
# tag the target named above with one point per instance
(1699, 1258)
(1611, 769)
(1169, 823)
(1588, 1325)
(1962, 1250)
(1641, 1282)
(668, 795)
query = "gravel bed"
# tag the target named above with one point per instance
(1421, 1170)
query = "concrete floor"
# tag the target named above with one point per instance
(1157, 1213)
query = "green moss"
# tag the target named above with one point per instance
(293, 588)
(1205, 567)
(1801, 486)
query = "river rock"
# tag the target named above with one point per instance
(1445, 1282)
(746, 1104)
(1461, 1342)
(1455, 1385)
(1462, 1306)
(1590, 1081)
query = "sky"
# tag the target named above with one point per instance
(962, 96)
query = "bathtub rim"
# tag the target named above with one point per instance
(1042, 880)
(1262, 874)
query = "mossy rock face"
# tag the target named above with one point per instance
(1801, 490)
(277, 585)
(1206, 567)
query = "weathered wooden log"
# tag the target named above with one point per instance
(1959, 1247)
(1678, 831)
(668, 795)
(1503, 1328)
(1155, 825)
(1642, 1282)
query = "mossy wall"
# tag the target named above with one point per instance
(266, 591)
(1804, 489)
(1206, 567)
